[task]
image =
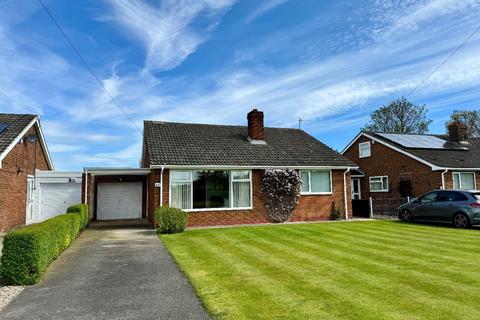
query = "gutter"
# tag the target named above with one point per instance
(345, 192)
(189, 167)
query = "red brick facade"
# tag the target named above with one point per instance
(309, 208)
(20, 162)
(385, 161)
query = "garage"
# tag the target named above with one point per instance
(57, 197)
(121, 200)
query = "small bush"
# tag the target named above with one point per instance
(83, 210)
(28, 251)
(170, 220)
(337, 213)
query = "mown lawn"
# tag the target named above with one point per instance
(353, 270)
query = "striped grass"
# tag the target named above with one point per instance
(346, 270)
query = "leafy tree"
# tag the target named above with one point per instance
(399, 116)
(470, 118)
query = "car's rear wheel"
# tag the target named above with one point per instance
(406, 216)
(461, 221)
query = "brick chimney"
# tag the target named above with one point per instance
(256, 131)
(457, 131)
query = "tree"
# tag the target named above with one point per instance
(470, 118)
(399, 116)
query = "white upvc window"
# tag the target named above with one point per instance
(203, 190)
(316, 181)
(378, 184)
(364, 149)
(464, 181)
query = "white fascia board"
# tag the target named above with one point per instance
(58, 174)
(20, 136)
(431, 165)
(250, 167)
(106, 172)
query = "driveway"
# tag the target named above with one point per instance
(110, 273)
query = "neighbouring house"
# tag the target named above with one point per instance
(22, 151)
(215, 173)
(400, 165)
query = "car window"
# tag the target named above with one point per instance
(451, 196)
(428, 198)
(476, 195)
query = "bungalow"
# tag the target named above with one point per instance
(400, 165)
(22, 151)
(215, 173)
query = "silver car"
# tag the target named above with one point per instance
(458, 207)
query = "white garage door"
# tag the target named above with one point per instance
(57, 197)
(119, 200)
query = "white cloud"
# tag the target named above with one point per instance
(263, 8)
(166, 31)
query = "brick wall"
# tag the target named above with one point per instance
(310, 208)
(20, 162)
(395, 165)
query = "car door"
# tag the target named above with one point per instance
(426, 209)
(448, 203)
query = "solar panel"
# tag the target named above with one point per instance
(415, 140)
(3, 126)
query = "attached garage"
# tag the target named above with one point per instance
(54, 192)
(121, 200)
(116, 194)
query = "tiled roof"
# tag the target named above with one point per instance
(450, 157)
(220, 145)
(16, 123)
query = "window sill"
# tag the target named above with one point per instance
(361, 157)
(217, 209)
(379, 190)
(315, 193)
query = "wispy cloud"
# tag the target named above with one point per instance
(263, 8)
(166, 31)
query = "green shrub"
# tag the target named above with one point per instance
(83, 210)
(170, 220)
(28, 251)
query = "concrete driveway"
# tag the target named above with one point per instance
(110, 273)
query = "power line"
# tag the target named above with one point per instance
(444, 61)
(26, 107)
(87, 65)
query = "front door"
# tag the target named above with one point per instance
(29, 204)
(356, 192)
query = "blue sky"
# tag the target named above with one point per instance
(211, 61)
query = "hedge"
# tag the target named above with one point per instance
(170, 220)
(83, 210)
(28, 251)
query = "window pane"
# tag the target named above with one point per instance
(385, 183)
(244, 174)
(241, 194)
(378, 183)
(468, 181)
(429, 198)
(364, 149)
(211, 189)
(180, 175)
(181, 195)
(456, 181)
(304, 176)
(320, 181)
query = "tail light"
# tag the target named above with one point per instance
(475, 205)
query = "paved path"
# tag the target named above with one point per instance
(110, 273)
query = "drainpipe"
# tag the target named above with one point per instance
(86, 187)
(345, 192)
(161, 186)
(443, 178)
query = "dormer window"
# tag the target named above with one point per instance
(364, 149)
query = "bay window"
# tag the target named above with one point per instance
(210, 189)
(316, 181)
(464, 180)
